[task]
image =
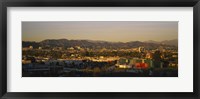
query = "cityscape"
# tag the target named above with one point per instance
(100, 49)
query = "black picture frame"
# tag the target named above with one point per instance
(99, 3)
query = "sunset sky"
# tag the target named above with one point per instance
(114, 31)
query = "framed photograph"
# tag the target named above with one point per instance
(90, 49)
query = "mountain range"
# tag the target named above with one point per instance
(167, 42)
(98, 44)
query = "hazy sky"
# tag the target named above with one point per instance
(115, 31)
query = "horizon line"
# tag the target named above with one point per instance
(98, 40)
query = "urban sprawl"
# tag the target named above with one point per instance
(79, 61)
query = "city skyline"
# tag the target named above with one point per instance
(111, 31)
(100, 49)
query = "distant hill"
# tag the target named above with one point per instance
(96, 44)
(151, 41)
(29, 43)
(173, 42)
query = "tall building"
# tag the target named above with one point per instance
(157, 59)
(141, 49)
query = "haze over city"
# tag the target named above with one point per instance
(100, 49)
(113, 31)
